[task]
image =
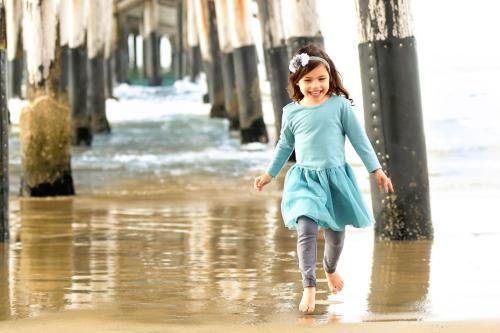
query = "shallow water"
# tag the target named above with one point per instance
(199, 256)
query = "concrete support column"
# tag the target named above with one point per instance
(276, 56)
(4, 137)
(251, 118)
(44, 124)
(152, 43)
(77, 77)
(303, 25)
(15, 64)
(393, 118)
(210, 52)
(227, 64)
(98, 12)
(193, 48)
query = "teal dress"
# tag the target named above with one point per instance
(321, 185)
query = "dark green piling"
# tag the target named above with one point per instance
(251, 118)
(15, 69)
(63, 82)
(304, 25)
(77, 96)
(45, 123)
(227, 64)
(210, 52)
(96, 99)
(393, 119)
(96, 95)
(120, 52)
(193, 51)
(4, 137)
(276, 56)
(152, 43)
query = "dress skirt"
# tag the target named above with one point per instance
(330, 197)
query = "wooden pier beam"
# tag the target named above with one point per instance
(303, 25)
(276, 55)
(44, 124)
(210, 53)
(193, 46)
(227, 64)
(97, 16)
(15, 64)
(251, 118)
(393, 118)
(4, 135)
(77, 77)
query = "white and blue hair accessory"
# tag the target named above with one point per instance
(300, 60)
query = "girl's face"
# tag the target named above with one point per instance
(315, 84)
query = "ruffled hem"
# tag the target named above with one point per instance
(329, 196)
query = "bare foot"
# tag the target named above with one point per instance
(335, 282)
(307, 302)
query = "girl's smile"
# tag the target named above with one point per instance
(314, 86)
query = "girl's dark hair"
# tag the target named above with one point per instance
(335, 88)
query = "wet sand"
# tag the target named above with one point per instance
(89, 321)
(210, 254)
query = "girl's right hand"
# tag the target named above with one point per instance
(261, 181)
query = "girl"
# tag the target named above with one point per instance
(320, 189)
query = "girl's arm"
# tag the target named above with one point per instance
(283, 149)
(358, 138)
(282, 153)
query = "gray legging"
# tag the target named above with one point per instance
(307, 235)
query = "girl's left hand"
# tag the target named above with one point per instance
(383, 181)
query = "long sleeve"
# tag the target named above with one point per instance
(283, 149)
(358, 138)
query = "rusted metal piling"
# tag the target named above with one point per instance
(252, 127)
(152, 43)
(4, 136)
(15, 64)
(44, 124)
(393, 118)
(95, 45)
(77, 74)
(227, 64)
(304, 25)
(210, 52)
(276, 55)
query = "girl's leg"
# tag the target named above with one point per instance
(307, 234)
(334, 243)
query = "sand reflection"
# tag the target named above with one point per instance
(400, 280)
